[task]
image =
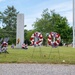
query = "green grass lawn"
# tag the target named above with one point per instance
(27, 56)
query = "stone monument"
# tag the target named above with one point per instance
(20, 31)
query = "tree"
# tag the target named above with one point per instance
(9, 18)
(1, 17)
(43, 24)
(27, 35)
(52, 21)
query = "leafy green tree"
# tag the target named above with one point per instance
(27, 35)
(0, 16)
(52, 21)
(9, 18)
(43, 24)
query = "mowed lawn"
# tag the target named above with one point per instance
(66, 55)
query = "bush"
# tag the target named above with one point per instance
(60, 44)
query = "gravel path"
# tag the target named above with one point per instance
(36, 69)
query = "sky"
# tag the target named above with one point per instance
(33, 9)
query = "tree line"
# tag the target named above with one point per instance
(49, 22)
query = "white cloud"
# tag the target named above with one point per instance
(33, 12)
(64, 9)
(62, 6)
(2, 0)
(69, 16)
(30, 19)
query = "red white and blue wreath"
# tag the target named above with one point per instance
(36, 39)
(54, 39)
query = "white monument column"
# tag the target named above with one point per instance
(20, 31)
(73, 23)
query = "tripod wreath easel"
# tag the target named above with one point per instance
(36, 41)
(53, 41)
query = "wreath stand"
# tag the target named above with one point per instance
(51, 52)
(39, 50)
(36, 41)
(55, 43)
